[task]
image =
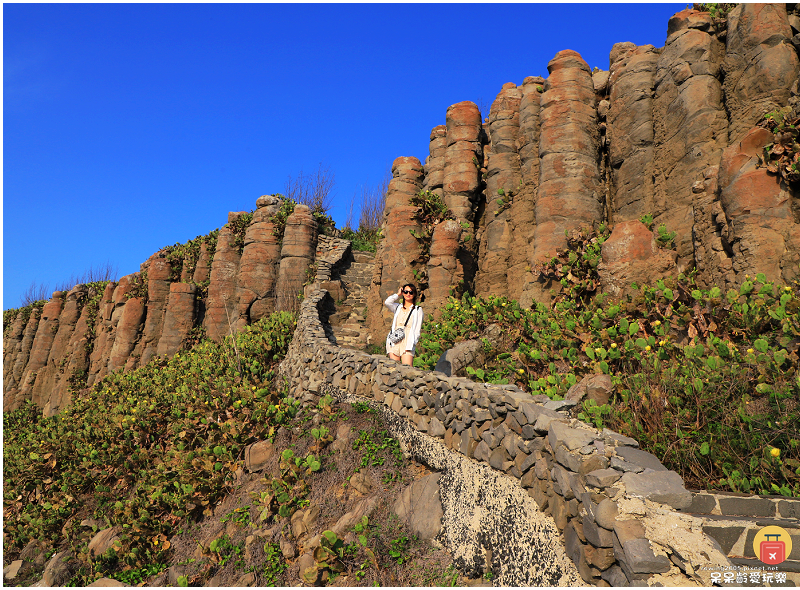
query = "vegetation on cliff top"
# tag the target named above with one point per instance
(705, 380)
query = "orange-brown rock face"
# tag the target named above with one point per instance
(51, 381)
(463, 159)
(503, 182)
(258, 269)
(158, 289)
(690, 122)
(762, 230)
(444, 269)
(630, 255)
(630, 130)
(42, 343)
(297, 254)
(570, 191)
(105, 326)
(127, 333)
(11, 394)
(760, 64)
(434, 163)
(406, 182)
(179, 318)
(221, 305)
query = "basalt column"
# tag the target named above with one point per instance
(297, 254)
(158, 289)
(127, 333)
(570, 190)
(12, 347)
(524, 205)
(760, 64)
(762, 230)
(104, 329)
(12, 398)
(463, 159)
(221, 304)
(434, 163)
(445, 271)
(630, 130)
(503, 183)
(258, 269)
(42, 343)
(179, 317)
(78, 363)
(690, 123)
(52, 378)
(399, 253)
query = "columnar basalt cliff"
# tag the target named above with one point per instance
(535, 495)
(81, 336)
(670, 132)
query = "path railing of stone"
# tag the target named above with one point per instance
(625, 519)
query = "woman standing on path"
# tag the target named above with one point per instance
(407, 316)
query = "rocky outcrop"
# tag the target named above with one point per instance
(257, 270)
(503, 183)
(221, 306)
(463, 159)
(570, 192)
(445, 271)
(630, 255)
(762, 231)
(79, 337)
(645, 138)
(179, 318)
(297, 254)
(690, 122)
(158, 290)
(760, 64)
(434, 163)
(630, 132)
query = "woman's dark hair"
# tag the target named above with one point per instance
(413, 290)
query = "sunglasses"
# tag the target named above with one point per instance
(407, 292)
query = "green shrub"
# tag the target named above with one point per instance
(146, 449)
(706, 381)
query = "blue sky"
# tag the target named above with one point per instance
(130, 127)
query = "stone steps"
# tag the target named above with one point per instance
(348, 321)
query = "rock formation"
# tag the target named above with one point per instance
(80, 336)
(669, 132)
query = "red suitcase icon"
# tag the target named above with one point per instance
(772, 552)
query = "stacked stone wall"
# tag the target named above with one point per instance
(622, 517)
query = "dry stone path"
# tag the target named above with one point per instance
(349, 319)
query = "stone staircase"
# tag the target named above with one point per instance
(349, 318)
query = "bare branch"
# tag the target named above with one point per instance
(314, 190)
(373, 202)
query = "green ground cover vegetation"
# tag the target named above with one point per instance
(705, 380)
(144, 449)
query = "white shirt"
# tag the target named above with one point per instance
(414, 323)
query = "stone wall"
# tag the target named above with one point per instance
(667, 131)
(619, 515)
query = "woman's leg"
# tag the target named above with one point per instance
(408, 359)
(393, 356)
